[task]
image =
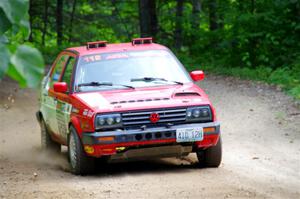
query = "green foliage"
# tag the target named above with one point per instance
(5, 23)
(28, 63)
(295, 92)
(258, 43)
(285, 78)
(21, 62)
(4, 54)
(14, 10)
(258, 40)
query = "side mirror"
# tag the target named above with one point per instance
(60, 87)
(197, 75)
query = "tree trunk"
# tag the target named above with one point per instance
(178, 25)
(148, 18)
(71, 20)
(221, 21)
(213, 20)
(44, 32)
(59, 21)
(252, 6)
(30, 19)
(196, 15)
(153, 18)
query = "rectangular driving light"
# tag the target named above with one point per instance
(106, 139)
(209, 129)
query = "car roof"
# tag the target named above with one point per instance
(118, 47)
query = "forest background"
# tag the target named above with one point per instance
(250, 39)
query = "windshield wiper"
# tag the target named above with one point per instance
(103, 84)
(152, 79)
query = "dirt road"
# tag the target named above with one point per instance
(261, 145)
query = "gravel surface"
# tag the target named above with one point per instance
(261, 147)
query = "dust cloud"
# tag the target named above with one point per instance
(19, 129)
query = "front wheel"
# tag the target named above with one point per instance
(81, 164)
(212, 156)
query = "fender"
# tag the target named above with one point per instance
(214, 113)
(76, 123)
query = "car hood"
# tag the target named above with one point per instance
(144, 98)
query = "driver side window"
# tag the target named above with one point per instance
(67, 76)
(58, 68)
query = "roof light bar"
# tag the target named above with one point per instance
(96, 44)
(137, 41)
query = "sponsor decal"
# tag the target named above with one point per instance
(124, 55)
(75, 110)
(63, 110)
(117, 56)
(85, 112)
(90, 113)
(92, 58)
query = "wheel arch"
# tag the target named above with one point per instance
(76, 124)
(39, 116)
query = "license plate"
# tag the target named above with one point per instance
(189, 134)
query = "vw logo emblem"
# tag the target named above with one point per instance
(154, 117)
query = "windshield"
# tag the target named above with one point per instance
(108, 71)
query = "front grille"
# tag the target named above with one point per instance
(137, 119)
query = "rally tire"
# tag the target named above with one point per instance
(80, 163)
(212, 156)
(47, 143)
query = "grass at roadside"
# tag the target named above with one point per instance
(283, 77)
(286, 78)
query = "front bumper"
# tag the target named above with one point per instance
(124, 139)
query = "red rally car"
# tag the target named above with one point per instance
(126, 101)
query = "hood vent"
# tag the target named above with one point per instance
(140, 100)
(187, 94)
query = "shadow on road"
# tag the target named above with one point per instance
(165, 165)
(148, 166)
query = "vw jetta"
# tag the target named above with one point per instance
(126, 101)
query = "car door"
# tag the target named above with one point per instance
(64, 106)
(49, 100)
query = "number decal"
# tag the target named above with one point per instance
(63, 111)
(92, 58)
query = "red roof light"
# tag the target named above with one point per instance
(137, 41)
(96, 44)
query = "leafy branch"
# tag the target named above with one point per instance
(19, 60)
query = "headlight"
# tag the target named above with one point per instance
(201, 114)
(108, 121)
